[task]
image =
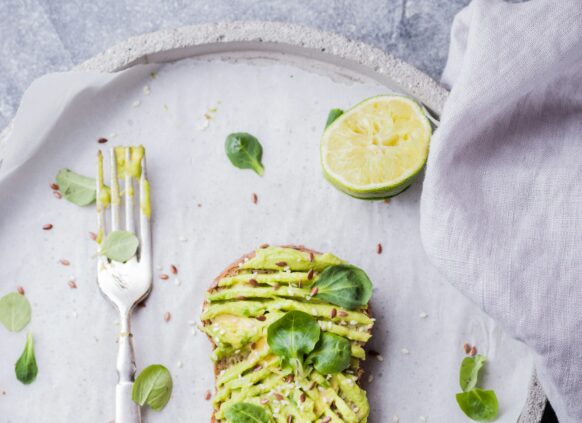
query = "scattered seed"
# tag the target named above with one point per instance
(290, 378)
(72, 284)
(281, 263)
(208, 395)
(310, 274)
(311, 386)
(102, 140)
(302, 397)
(241, 297)
(20, 290)
(253, 282)
(313, 291)
(264, 246)
(326, 419)
(404, 351)
(141, 304)
(173, 269)
(386, 201)
(47, 227)
(93, 236)
(342, 313)
(279, 396)
(276, 286)
(65, 262)
(261, 318)
(255, 198)
(164, 277)
(257, 368)
(311, 257)
(473, 351)
(167, 316)
(333, 313)
(466, 348)
(379, 248)
(423, 315)
(264, 400)
(54, 187)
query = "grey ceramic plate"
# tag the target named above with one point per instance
(211, 39)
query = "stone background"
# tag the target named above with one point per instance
(42, 36)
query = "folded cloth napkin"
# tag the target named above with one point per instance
(501, 211)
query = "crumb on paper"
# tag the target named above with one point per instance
(207, 117)
(146, 90)
(423, 315)
(136, 103)
(405, 351)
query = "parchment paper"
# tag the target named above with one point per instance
(204, 219)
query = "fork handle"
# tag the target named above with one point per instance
(126, 411)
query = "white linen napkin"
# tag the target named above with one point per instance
(501, 212)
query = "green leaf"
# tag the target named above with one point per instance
(479, 405)
(77, 189)
(293, 336)
(26, 368)
(153, 387)
(15, 311)
(344, 285)
(244, 151)
(244, 412)
(469, 374)
(332, 354)
(119, 246)
(332, 116)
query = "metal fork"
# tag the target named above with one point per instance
(125, 284)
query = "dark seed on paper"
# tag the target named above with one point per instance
(279, 396)
(64, 262)
(47, 227)
(57, 195)
(20, 290)
(379, 248)
(281, 263)
(264, 246)
(173, 269)
(333, 313)
(164, 277)
(473, 352)
(72, 284)
(302, 397)
(167, 316)
(54, 187)
(255, 198)
(466, 348)
(102, 140)
(253, 282)
(208, 395)
(261, 318)
(310, 274)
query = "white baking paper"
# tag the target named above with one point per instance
(204, 219)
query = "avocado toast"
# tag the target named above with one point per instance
(246, 299)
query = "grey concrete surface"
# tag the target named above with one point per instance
(42, 36)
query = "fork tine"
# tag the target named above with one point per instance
(145, 214)
(129, 220)
(115, 199)
(100, 208)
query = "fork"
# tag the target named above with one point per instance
(124, 284)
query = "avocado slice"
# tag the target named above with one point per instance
(238, 310)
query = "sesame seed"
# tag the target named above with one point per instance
(208, 395)
(255, 198)
(342, 313)
(167, 316)
(65, 262)
(136, 103)
(177, 282)
(47, 227)
(278, 396)
(380, 358)
(264, 246)
(404, 351)
(182, 238)
(164, 277)
(423, 315)
(72, 284)
(146, 90)
(261, 318)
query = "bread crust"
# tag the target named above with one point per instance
(230, 270)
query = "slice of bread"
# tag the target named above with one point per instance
(236, 327)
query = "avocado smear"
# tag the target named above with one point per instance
(236, 315)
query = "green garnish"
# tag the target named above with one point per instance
(153, 387)
(245, 152)
(15, 311)
(244, 412)
(477, 404)
(332, 116)
(77, 189)
(331, 355)
(119, 246)
(26, 368)
(344, 285)
(293, 336)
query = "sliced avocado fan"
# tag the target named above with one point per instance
(242, 305)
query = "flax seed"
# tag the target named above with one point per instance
(473, 351)
(102, 140)
(164, 277)
(279, 396)
(276, 286)
(466, 348)
(65, 262)
(290, 419)
(261, 318)
(379, 248)
(281, 263)
(57, 195)
(167, 316)
(342, 313)
(55, 187)
(72, 284)
(255, 198)
(173, 269)
(253, 282)
(264, 246)
(313, 291)
(20, 290)
(47, 227)
(333, 313)
(311, 257)
(302, 397)
(290, 378)
(241, 297)
(208, 395)
(93, 236)
(264, 400)
(310, 274)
